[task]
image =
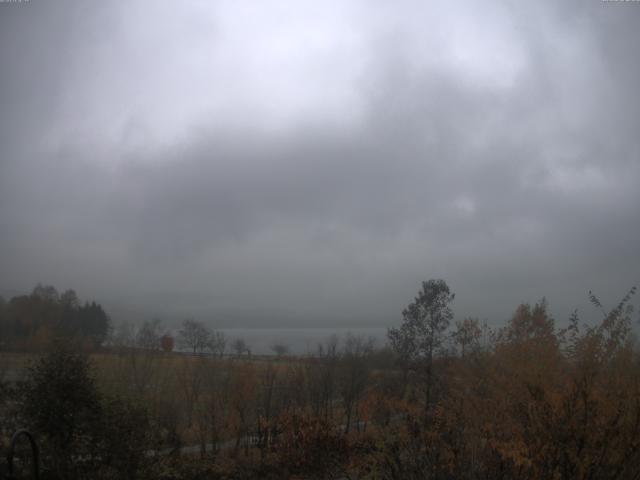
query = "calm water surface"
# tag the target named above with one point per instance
(299, 340)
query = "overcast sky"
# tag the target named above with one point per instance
(311, 162)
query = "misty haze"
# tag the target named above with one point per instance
(319, 239)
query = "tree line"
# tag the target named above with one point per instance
(31, 321)
(443, 400)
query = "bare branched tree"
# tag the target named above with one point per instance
(194, 336)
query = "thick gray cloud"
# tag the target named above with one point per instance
(310, 163)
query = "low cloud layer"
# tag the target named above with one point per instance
(309, 164)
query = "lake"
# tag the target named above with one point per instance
(299, 340)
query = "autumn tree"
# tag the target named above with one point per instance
(167, 343)
(467, 335)
(529, 323)
(572, 413)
